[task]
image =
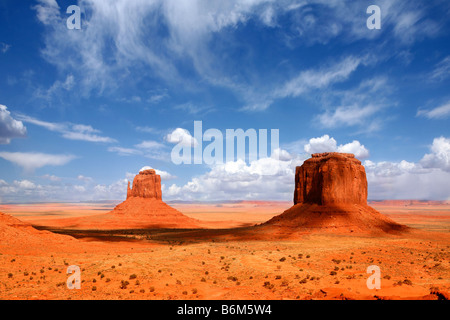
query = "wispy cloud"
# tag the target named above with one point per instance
(192, 108)
(34, 160)
(51, 177)
(441, 112)
(125, 151)
(56, 88)
(307, 81)
(441, 70)
(357, 107)
(110, 48)
(347, 116)
(150, 144)
(70, 131)
(149, 149)
(319, 78)
(4, 47)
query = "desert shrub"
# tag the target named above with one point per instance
(124, 284)
(407, 282)
(336, 261)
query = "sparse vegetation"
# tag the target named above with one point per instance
(124, 284)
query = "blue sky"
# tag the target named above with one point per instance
(82, 111)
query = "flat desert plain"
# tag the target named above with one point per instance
(226, 259)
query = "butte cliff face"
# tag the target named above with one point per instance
(147, 185)
(331, 195)
(330, 178)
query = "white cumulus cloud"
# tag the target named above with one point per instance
(182, 137)
(9, 127)
(439, 156)
(329, 144)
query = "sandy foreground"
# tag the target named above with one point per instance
(221, 263)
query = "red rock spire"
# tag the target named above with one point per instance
(147, 184)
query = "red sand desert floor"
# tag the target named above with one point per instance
(228, 261)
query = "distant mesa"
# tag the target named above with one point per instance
(331, 195)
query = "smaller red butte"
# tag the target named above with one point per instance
(147, 184)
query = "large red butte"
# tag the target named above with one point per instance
(330, 178)
(331, 196)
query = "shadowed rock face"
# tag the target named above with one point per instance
(331, 178)
(147, 184)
